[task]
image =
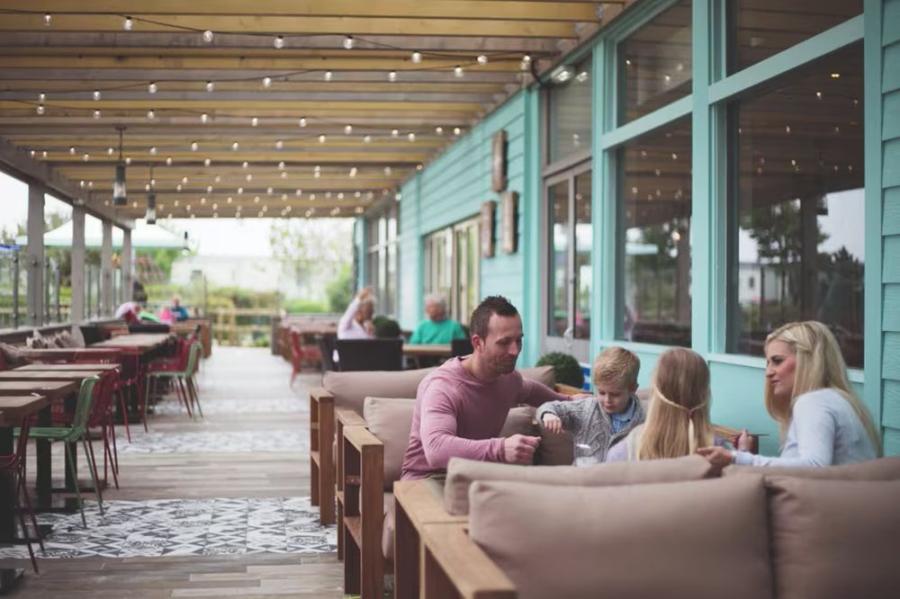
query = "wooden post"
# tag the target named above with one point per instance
(34, 261)
(76, 310)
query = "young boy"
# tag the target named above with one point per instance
(600, 421)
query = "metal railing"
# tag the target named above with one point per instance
(13, 278)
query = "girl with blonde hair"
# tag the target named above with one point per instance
(822, 420)
(678, 422)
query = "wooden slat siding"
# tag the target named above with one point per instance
(452, 189)
(890, 318)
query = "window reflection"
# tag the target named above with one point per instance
(655, 200)
(583, 242)
(655, 63)
(798, 176)
(558, 201)
(761, 28)
(569, 112)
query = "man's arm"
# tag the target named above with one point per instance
(439, 439)
(534, 393)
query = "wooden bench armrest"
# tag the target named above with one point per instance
(360, 437)
(320, 394)
(452, 558)
(567, 389)
(348, 417)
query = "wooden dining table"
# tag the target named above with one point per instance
(66, 367)
(53, 354)
(139, 343)
(13, 409)
(431, 350)
(48, 375)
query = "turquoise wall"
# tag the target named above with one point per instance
(452, 189)
(889, 148)
(454, 186)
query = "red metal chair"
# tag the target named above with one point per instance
(103, 418)
(14, 465)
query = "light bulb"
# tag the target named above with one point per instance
(456, 131)
(249, 177)
(152, 88)
(210, 86)
(411, 137)
(169, 161)
(96, 94)
(40, 109)
(128, 24)
(482, 59)
(322, 139)
(245, 164)
(298, 192)
(348, 129)
(86, 157)
(367, 139)
(328, 75)
(353, 172)
(392, 76)
(458, 71)
(42, 97)
(151, 115)
(254, 122)
(267, 82)
(48, 19)
(395, 133)
(72, 150)
(278, 42)
(208, 36)
(348, 42)
(240, 190)
(235, 146)
(153, 150)
(209, 189)
(439, 130)
(109, 151)
(279, 144)
(184, 180)
(281, 165)
(284, 174)
(194, 146)
(387, 171)
(417, 57)
(128, 160)
(204, 118)
(270, 190)
(207, 161)
(302, 122)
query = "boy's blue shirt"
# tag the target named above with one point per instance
(622, 420)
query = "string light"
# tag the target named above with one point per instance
(348, 129)
(194, 146)
(207, 161)
(152, 88)
(328, 75)
(278, 42)
(395, 133)
(367, 139)
(411, 137)
(42, 97)
(48, 19)
(204, 118)
(302, 122)
(392, 76)
(482, 59)
(109, 151)
(72, 150)
(128, 24)
(456, 131)
(208, 36)
(267, 82)
(281, 165)
(458, 71)
(439, 130)
(348, 42)
(86, 157)
(527, 59)
(40, 109)
(153, 150)
(387, 171)
(168, 161)
(254, 122)
(417, 57)
(210, 86)
(279, 144)
(322, 138)
(96, 95)
(151, 114)
(235, 146)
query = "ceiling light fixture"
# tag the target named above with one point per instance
(120, 192)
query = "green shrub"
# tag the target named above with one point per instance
(386, 327)
(304, 306)
(566, 368)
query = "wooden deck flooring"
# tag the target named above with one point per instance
(231, 377)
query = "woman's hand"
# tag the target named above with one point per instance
(719, 457)
(551, 423)
(364, 294)
(744, 441)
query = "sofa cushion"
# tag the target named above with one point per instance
(462, 473)
(834, 538)
(541, 374)
(556, 449)
(632, 541)
(887, 468)
(351, 388)
(13, 355)
(390, 420)
(519, 421)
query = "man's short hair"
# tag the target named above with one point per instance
(617, 366)
(436, 298)
(494, 304)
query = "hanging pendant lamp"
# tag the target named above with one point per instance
(120, 192)
(150, 217)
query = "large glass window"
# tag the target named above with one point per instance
(569, 112)
(655, 63)
(762, 28)
(655, 206)
(798, 231)
(381, 262)
(452, 267)
(570, 239)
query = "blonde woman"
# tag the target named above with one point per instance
(678, 422)
(822, 420)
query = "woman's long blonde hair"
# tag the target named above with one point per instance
(678, 422)
(820, 365)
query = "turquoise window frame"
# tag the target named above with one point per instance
(712, 89)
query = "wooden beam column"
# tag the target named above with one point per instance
(77, 313)
(106, 308)
(126, 261)
(34, 256)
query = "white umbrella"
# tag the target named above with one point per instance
(142, 236)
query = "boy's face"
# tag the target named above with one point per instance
(613, 397)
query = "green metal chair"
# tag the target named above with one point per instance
(182, 381)
(74, 433)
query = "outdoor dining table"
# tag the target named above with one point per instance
(66, 367)
(54, 354)
(48, 375)
(435, 350)
(13, 409)
(54, 391)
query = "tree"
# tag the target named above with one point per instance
(317, 251)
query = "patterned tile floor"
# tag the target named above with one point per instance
(186, 527)
(213, 441)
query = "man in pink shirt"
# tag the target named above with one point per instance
(461, 406)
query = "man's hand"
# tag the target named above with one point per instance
(519, 449)
(744, 441)
(551, 423)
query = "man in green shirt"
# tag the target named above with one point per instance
(437, 328)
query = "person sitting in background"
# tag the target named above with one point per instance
(602, 421)
(437, 328)
(678, 420)
(128, 312)
(823, 422)
(145, 315)
(356, 323)
(178, 311)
